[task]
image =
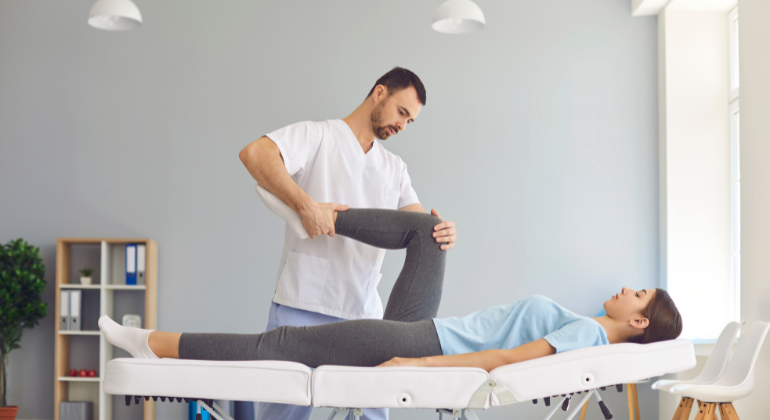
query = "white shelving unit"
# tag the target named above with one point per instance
(112, 274)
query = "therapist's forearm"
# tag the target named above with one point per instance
(263, 160)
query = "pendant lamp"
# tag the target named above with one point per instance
(458, 17)
(115, 15)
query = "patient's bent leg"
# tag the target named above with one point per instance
(417, 293)
(366, 342)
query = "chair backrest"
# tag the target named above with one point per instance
(717, 360)
(742, 362)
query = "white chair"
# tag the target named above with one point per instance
(713, 369)
(715, 364)
(736, 382)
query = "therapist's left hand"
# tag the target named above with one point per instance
(444, 232)
(402, 361)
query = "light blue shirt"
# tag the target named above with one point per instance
(509, 326)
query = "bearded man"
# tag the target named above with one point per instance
(317, 168)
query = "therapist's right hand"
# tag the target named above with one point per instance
(318, 218)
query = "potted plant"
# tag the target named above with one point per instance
(85, 276)
(21, 284)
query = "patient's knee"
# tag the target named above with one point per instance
(427, 224)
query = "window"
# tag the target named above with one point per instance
(700, 179)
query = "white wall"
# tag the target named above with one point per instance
(755, 187)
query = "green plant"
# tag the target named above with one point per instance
(21, 284)
(86, 272)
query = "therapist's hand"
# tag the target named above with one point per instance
(444, 232)
(318, 218)
(403, 361)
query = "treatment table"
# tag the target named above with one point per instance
(449, 390)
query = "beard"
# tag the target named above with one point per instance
(378, 126)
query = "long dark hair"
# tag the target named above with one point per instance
(665, 320)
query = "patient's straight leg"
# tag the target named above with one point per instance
(363, 342)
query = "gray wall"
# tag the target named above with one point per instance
(539, 139)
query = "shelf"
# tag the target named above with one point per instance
(80, 332)
(77, 348)
(79, 379)
(98, 241)
(106, 286)
(124, 287)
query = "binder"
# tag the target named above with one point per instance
(141, 257)
(131, 264)
(64, 311)
(75, 298)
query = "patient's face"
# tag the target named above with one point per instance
(628, 303)
(394, 112)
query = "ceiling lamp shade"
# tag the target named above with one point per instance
(458, 17)
(115, 15)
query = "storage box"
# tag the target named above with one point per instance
(76, 410)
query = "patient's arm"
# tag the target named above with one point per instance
(487, 359)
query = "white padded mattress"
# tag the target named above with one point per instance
(395, 387)
(593, 367)
(270, 381)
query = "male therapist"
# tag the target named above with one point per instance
(317, 168)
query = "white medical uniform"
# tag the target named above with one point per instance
(337, 276)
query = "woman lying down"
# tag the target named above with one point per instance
(409, 334)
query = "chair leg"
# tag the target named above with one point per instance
(636, 402)
(630, 402)
(727, 411)
(714, 412)
(585, 408)
(706, 411)
(687, 408)
(683, 411)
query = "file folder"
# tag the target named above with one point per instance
(131, 264)
(141, 262)
(75, 299)
(64, 311)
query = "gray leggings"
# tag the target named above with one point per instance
(407, 329)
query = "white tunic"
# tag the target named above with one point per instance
(337, 276)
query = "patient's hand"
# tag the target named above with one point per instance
(403, 361)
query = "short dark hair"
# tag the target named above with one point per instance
(665, 320)
(398, 79)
